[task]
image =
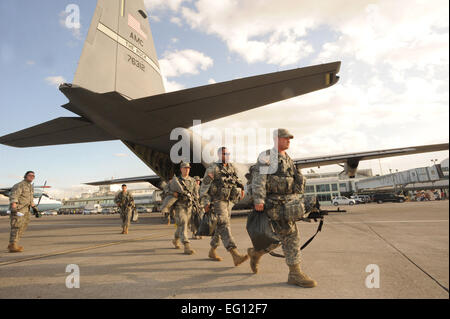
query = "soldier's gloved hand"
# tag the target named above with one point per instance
(36, 212)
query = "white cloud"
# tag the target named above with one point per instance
(152, 5)
(176, 20)
(171, 86)
(276, 32)
(155, 18)
(55, 80)
(211, 81)
(177, 63)
(182, 62)
(121, 155)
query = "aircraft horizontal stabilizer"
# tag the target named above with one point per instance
(211, 102)
(63, 130)
(152, 179)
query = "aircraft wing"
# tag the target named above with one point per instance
(356, 157)
(5, 191)
(63, 130)
(211, 102)
(155, 116)
(152, 179)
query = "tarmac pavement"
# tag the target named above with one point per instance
(408, 243)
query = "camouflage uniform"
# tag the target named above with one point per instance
(276, 190)
(198, 208)
(166, 198)
(126, 204)
(183, 205)
(221, 188)
(21, 194)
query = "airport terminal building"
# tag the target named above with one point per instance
(328, 185)
(145, 197)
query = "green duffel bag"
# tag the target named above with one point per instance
(207, 225)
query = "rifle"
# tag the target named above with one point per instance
(315, 213)
(231, 178)
(190, 196)
(318, 213)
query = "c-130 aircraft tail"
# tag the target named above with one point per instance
(119, 54)
(118, 93)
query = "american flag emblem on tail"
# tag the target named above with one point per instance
(136, 25)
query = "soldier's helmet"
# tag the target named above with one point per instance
(282, 132)
(183, 165)
(197, 178)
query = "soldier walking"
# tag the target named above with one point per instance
(184, 189)
(21, 201)
(277, 189)
(167, 213)
(125, 202)
(221, 189)
(197, 209)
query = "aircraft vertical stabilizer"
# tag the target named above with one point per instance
(119, 53)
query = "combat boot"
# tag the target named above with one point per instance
(297, 277)
(212, 254)
(237, 257)
(255, 257)
(176, 243)
(14, 248)
(188, 250)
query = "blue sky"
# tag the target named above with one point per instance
(388, 55)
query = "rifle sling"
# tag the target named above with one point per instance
(319, 228)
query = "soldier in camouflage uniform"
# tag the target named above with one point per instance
(184, 188)
(277, 187)
(199, 211)
(125, 201)
(222, 188)
(168, 213)
(21, 201)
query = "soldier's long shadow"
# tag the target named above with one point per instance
(142, 279)
(127, 270)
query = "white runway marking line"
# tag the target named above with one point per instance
(393, 221)
(50, 225)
